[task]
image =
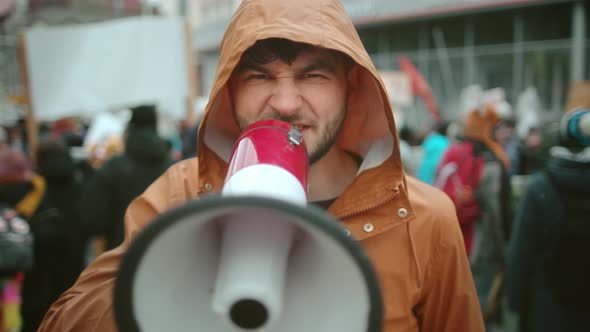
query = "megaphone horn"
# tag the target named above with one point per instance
(254, 259)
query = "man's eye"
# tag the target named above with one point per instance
(315, 76)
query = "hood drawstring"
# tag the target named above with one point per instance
(414, 255)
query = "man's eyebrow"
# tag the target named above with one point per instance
(319, 64)
(246, 66)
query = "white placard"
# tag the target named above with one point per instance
(79, 70)
(398, 87)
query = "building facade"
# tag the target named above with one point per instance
(513, 44)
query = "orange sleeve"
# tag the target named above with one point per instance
(29, 204)
(450, 299)
(87, 306)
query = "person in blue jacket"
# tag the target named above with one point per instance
(434, 146)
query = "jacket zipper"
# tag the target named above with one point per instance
(388, 198)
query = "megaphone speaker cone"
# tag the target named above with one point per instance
(172, 272)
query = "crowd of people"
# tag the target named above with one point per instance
(73, 206)
(448, 259)
(514, 195)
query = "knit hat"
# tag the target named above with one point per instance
(14, 167)
(143, 117)
(575, 124)
(63, 126)
(579, 96)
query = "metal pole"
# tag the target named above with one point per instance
(424, 66)
(424, 57)
(518, 57)
(578, 54)
(191, 73)
(469, 55)
(445, 64)
(32, 126)
(384, 61)
(557, 88)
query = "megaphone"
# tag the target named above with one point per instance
(255, 258)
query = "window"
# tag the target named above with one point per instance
(452, 31)
(493, 28)
(547, 22)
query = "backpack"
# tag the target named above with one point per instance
(566, 264)
(16, 242)
(458, 175)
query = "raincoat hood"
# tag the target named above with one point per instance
(369, 124)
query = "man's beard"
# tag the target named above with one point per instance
(327, 139)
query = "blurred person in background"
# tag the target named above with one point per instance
(20, 190)
(506, 135)
(492, 228)
(531, 154)
(407, 140)
(189, 139)
(69, 131)
(17, 137)
(548, 267)
(59, 238)
(474, 173)
(100, 152)
(530, 157)
(124, 177)
(434, 145)
(19, 186)
(454, 131)
(189, 131)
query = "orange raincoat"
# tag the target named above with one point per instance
(408, 228)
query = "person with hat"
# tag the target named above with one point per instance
(548, 269)
(23, 191)
(124, 177)
(19, 185)
(474, 173)
(59, 241)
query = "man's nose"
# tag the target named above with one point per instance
(286, 97)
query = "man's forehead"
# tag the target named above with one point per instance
(307, 56)
(316, 53)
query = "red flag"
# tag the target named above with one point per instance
(419, 86)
